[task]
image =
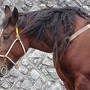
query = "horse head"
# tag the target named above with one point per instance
(11, 45)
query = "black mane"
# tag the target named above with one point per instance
(38, 22)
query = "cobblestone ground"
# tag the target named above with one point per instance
(36, 70)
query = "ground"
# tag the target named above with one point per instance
(36, 70)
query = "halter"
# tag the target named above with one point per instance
(79, 32)
(17, 39)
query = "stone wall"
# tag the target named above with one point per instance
(36, 70)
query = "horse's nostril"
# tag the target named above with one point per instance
(4, 70)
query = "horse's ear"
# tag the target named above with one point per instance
(7, 9)
(14, 15)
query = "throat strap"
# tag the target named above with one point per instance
(79, 32)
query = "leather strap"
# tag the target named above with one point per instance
(79, 32)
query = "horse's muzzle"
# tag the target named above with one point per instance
(3, 68)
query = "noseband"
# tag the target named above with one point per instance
(17, 39)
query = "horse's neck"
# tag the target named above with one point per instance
(44, 44)
(79, 23)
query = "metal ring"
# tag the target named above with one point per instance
(4, 70)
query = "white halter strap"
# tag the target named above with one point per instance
(79, 32)
(17, 39)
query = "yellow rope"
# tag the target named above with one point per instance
(17, 29)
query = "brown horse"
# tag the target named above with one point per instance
(50, 30)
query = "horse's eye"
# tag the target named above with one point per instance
(6, 37)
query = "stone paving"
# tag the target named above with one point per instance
(36, 70)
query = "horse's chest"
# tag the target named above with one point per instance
(77, 56)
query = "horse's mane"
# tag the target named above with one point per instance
(40, 21)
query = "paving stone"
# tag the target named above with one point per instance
(14, 73)
(26, 85)
(38, 53)
(11, 80)
(47, 86)
(18, 84)
(1, 88)
(1, 15)
(36, 70)
(47, 62)
(28, 3)
(23, 69)
(21, 78)
(34, 74)
(45, 71)
(52, 72)
(25, 62)
(42, 6)
(5, 85)
(56, 86)
(38, 85)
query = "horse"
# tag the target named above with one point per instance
(65, 32)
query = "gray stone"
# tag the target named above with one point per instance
(28, 3)
(14, 72)
(56, 86)
(25, 62)
(53, 73)
(45, 71)
(86, 7)
(73, 3)
(24, 7)
(1, 88)
(11, 80)
(34, 74)
(52, 4)
(38, 85)
(47, 62)
(1, 2)
(1, 16)
(29, 67)
(26, 84)
(5, 85)
(23, 69)
(50, 56)
(37, 53)
(18, 84)
(35, 61)
(21, 78)
(35, 8)
(47, 86)
(42, 6)
(87, 2)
